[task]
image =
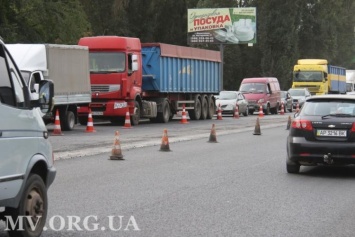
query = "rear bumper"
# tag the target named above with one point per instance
(312, 152)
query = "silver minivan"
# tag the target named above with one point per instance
(26, 156)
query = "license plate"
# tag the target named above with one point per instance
(120, 105)
(331, 133)
(97, 113)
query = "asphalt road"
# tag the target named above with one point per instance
(236, 187)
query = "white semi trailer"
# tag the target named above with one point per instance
(350, 81)
(67, 66)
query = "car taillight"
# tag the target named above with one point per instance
(302, 124)
(353, 128)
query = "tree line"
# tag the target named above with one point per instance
(286, 30)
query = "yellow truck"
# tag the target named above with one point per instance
(319, 77)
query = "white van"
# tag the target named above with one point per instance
(26, 156)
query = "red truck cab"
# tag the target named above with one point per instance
(116, 79)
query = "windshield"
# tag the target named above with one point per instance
(26, 76)
(308, 76)
(225, 95)
(107, 62)
(253, 88)
(336, 107)
(297, 92)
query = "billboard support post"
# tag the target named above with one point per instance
(221, 49)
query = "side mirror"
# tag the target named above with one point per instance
(46, 94)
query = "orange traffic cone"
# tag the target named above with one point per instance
(127, 122)
(57, 129)
(298, 107)
(213, 138)
(282, 111)
(183, 118)
(257, 127)
(219, 113)
(236, 112)
(165, 141)
(116, 153)
(261, 113)
(90, 124)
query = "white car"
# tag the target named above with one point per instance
(228, 100)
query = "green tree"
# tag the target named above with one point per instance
(40, 21)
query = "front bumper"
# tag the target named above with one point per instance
(312, 152)
(51, 175)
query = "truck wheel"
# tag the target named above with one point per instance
(136, 115)
(83, 120)
(204, 108)
(195, 113)
(211, 108)
(67, 123)
(34, 204)
(164, 116)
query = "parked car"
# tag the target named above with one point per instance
(299, 96)
(323, 132)
(228, 101)
(286, 99)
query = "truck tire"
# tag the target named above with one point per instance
(204, 108)
(33, 203)
(136, 115)
(67, 121)
(211, 108)
(195, 113)
(164, 116)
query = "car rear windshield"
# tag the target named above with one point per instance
(329, 107)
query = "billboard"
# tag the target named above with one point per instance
(221, 25)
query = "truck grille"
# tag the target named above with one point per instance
(105, 88)
(99, 88)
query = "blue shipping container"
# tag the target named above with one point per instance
(178, 69)
(337, 79)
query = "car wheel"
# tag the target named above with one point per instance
(34, 204)
(267, 111)
(292, 168)
(246, 111)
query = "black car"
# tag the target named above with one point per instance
(322, 133)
